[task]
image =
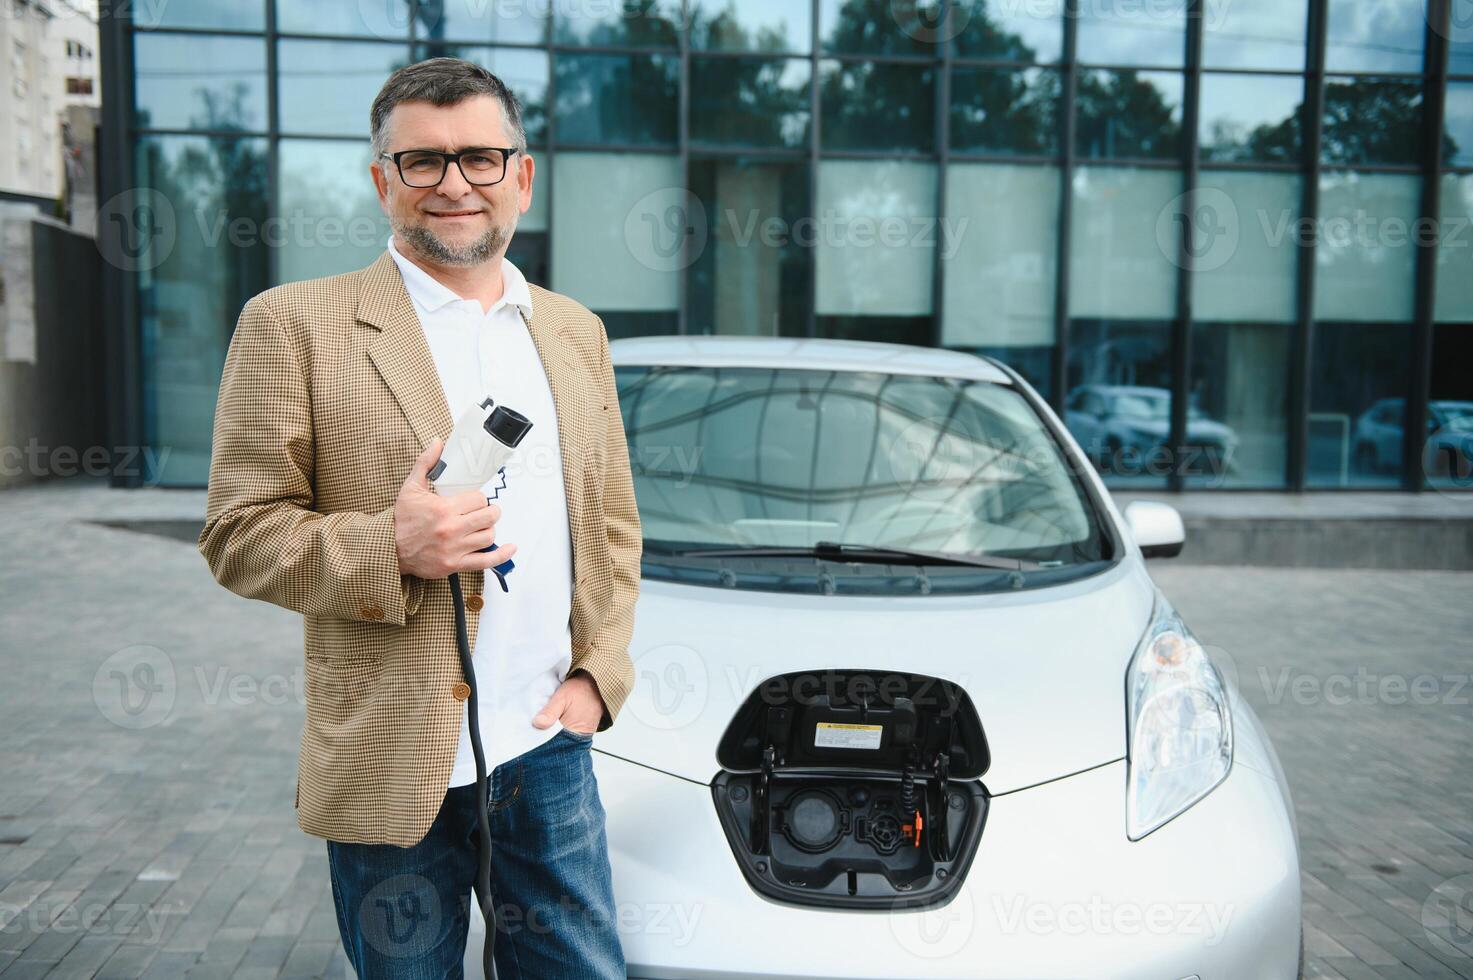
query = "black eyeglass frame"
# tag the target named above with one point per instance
(448, 158)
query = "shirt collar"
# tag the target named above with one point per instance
(431, 294)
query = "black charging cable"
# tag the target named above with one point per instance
(483, 799)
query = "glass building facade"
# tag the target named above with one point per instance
(1206, 230)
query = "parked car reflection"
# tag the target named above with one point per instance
(1447, 452)
(1126, 430)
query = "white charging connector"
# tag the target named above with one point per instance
(479, 446)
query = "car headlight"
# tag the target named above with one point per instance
(1180, 730)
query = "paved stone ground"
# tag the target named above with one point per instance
(153, 834)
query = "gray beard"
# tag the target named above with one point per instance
(428, 244)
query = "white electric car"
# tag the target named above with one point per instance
(908, 703)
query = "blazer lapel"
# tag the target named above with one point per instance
(400, 351)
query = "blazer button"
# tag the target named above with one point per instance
(461, 691)
(372, 612)
(474, 603)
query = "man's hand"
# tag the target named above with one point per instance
(438, 535)
(576, 703)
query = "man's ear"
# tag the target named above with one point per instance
(526, 170)
(380, 182)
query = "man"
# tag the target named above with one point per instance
(337, 396)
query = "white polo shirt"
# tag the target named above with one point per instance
(524, 645)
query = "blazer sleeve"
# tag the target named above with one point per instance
(261, 538)
(609, 661)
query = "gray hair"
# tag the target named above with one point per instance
(442, 82)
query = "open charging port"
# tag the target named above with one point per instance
(853, 789)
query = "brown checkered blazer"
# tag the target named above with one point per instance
(329, 394)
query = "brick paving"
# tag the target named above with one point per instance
(153, 836)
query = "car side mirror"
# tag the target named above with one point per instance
(1157, 528)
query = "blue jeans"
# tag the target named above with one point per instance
(403, 912)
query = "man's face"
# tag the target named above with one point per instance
(455, 222)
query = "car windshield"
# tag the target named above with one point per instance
(740, 459)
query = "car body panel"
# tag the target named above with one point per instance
(1056, 890)
(1047, 709)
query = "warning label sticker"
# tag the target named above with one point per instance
(832, 735)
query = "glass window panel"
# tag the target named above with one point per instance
(1123, 246)
(875, 27)
(327, 87)
(387, 20)
(1237, 432)
(617, 230)
(1447, 453)
(752, 276)
(1460, 39)
(999, 255)
(1008, 31)
(1145, 34)
(329, 209)
(631, 23)
(1129, 114)
(752, 25)
(1365, 259)
(1118, 404)
(1251, 117)
(1254, 34)
(493, 21)
(1372, 120)
(1245, 235)
(1457, 138)
(1004, 110)
(1375, 35)
(1455, 251)
(193, 81)
(877, 106)
(875, 238)
(235, 15)
(1358, 383)
(191, 291)
(750, 101)
(535, 218)
(523, 71)
(616, 98)
(527, 251)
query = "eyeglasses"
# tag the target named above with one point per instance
(479, 165)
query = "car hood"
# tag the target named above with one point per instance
(1044, 667)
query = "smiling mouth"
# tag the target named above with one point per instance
(452, 214)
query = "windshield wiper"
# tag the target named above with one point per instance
(835, 551)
